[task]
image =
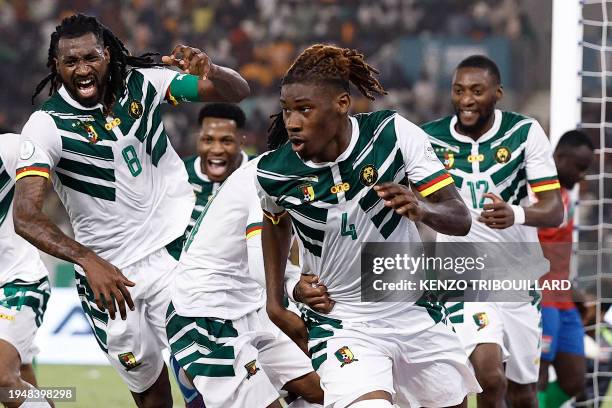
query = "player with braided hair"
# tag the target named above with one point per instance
(124, 187)
(340, 181)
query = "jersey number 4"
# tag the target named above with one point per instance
(348, 230)
(477, 189)
(131, 159)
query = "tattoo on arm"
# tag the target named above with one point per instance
(34, 225)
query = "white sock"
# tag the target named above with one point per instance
(373, 403)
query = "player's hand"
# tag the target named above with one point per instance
(498, 214)
(108, 285)
(190, 60)
(401, 199)
(291, 324)
(313, 293)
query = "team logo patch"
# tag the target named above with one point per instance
(92, 135)
(368, 175)
(546, 343)
(26, 150)
(128, 360)
(251, 368)
(481, 319)
(136, 109)
(503, 154)
(308, 193)
(345, 356)
(449, 160)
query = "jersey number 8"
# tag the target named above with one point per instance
(131, 159)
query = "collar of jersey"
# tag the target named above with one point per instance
(345, 154)
(202, 176)
(488, 134)
(66, 96)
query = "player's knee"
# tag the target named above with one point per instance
(373, 403)
(493, 382)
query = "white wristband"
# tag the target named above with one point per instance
(519, 214)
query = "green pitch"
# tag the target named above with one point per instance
(96, 386)
(100, 386)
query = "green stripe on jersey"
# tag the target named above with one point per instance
(93, 190)
(87, 149)
(86, 169)
(5, 204)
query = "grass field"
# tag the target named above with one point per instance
(100, 386)
(96, 386)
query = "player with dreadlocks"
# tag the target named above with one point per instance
(123, 185)
(341, 181)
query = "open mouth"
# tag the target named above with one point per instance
(216, 167)
(86, 87)
(296, 143)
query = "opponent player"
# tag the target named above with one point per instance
(219, 152)
(124, 187)
(562, 331)
(339, 182)
(24, 288)
(494, 155)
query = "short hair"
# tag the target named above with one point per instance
(225, 111)
(575, 138)
(482, 62)
(6, 130)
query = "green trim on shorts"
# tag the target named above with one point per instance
(205, 339)
(320, 329)
(92, 312)
(16, 294)
(175, 247)
(455, 312)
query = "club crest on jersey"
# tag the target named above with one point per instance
(308, 193)
(92, 136)
(136, 110)
(503, 154)
(481, 319)
(128, 361)
(251, 368)
(368, 175)
(449, 160)
(345, 356)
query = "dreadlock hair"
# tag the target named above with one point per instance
(120, 58)
(327, 65)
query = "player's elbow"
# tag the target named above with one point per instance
(461, 220)
(240, 92)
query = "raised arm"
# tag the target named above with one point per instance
(216, 83)
(107, 282)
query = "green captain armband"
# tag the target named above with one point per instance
(183, 88)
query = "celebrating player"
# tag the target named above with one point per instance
(219, 152)
(124, 187)
(562, 331)
(493, 155)
(340, 181)
(24, 286)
